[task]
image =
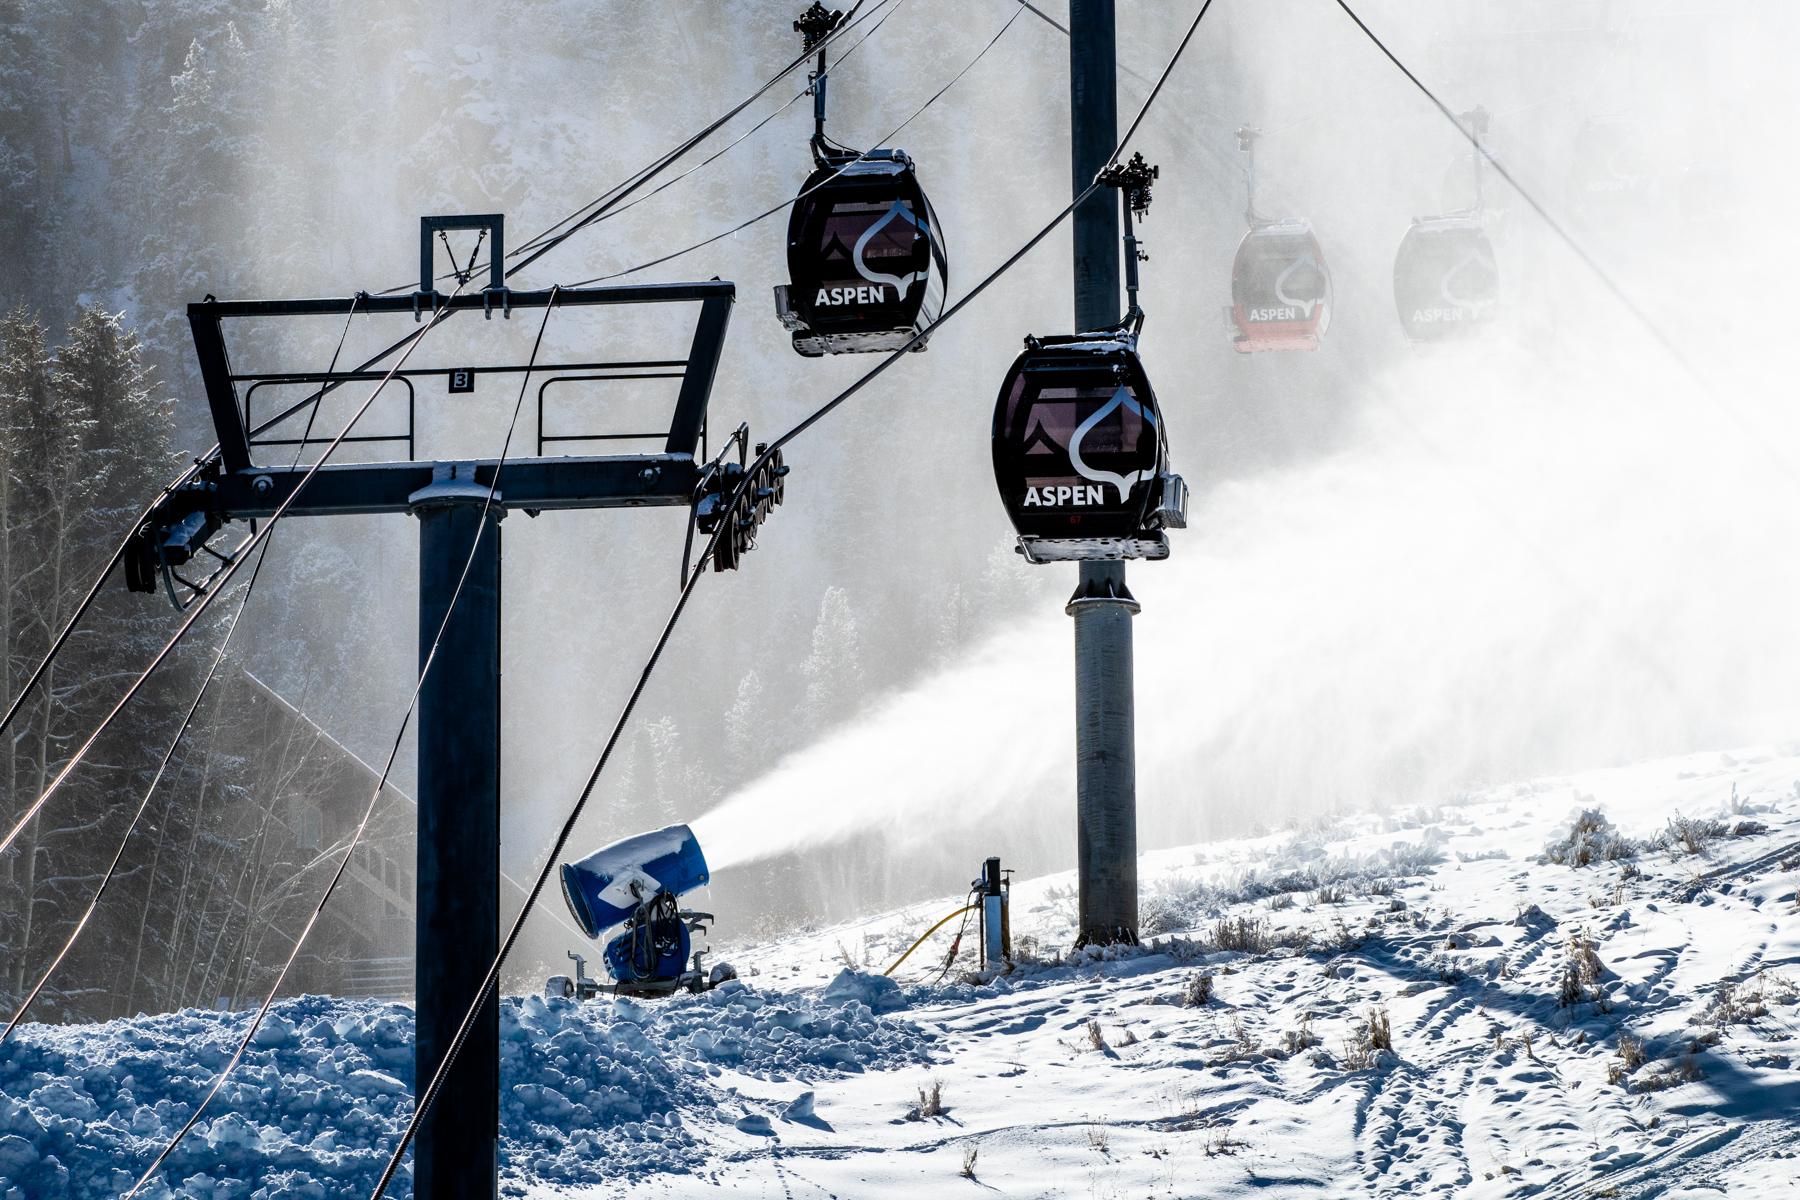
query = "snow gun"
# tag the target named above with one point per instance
(632, 889)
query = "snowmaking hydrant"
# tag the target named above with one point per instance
(634, 886)
(994, 889)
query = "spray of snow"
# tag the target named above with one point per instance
(1529, 558)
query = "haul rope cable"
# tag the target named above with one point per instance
(186, 721)
(425, 1095)
(792, 200)
(381, 783)
(619, 191)
(630, 184)
(200, 606)
(187, 475)
(670, 158)
(798, 96)
(1588, 260)
(1716, 396)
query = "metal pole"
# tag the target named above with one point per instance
(1102, 606)
(456, 1154)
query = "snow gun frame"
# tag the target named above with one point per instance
(629, 893)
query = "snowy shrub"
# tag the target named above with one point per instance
(1197, 991)
(1367, 1043)
(1690, 835)
(970, 1154)
(929, 1104)
(608, 1087)
(1410, 859)
(1734, 1005)
(1303, 1038)
(1243, 1045)
(1220, 1141)
(1629, 1058)
(1378, 1031)
(1250, 935)
(1173, 904)
(1590, 839)
(1685, 1069)
(1096, 1036)
(1582, 972)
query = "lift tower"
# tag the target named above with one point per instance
(1102, 606)
(455, 1156)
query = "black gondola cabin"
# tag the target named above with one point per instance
(1446, 284)
(866, 264)
(1280, 289)
(1080, 454)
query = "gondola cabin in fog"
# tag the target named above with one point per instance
(1610, 182)
(1080, 454)
(1280, 289)
(1446, 282)
(1280, 285)
(866, 264)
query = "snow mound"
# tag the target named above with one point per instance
(587, 1090)
(880, 993)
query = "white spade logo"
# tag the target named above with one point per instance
(1124, 483)
(1305, 306)
(898, 211)
(1480, 260)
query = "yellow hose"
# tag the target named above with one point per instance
(959, 912)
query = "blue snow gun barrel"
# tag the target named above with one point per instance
(611, 884)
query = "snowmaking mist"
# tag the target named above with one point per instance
(1526, 559)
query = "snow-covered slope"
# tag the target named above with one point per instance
(1238, 1053)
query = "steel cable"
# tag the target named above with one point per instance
(596, 208)
(1765, 445)
(427, 1094)
(380, 784)
(1588, 260)
(805, 192)
(798, 96)
(620, 192)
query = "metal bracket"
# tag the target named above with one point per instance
(454, 483)
(493, 226)
(1134, 179)
(815, 25)
(1103, 591)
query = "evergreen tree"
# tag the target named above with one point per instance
(747, 725)
(81, 444)
(833, 671)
